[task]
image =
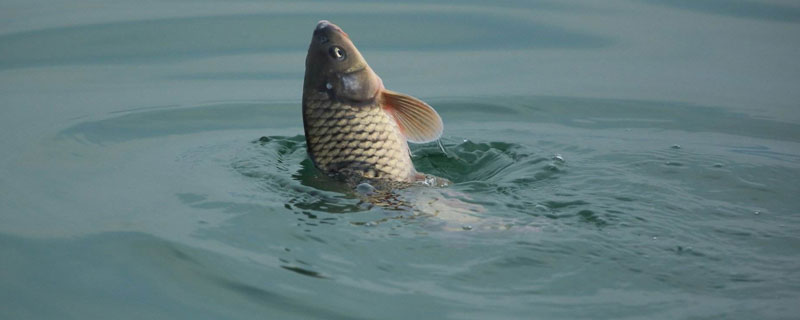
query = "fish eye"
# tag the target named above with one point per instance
(337, 53)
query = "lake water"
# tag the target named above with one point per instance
(615, 159)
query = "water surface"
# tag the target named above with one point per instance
(629, 159)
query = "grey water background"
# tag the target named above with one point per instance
(629, 159)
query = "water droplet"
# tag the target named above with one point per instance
(466, 140)
(757, 212)
(655, 238)
(365, 189)
(329, 86)
(441, 146)
(466, 227)
(675, 146)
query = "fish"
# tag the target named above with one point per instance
(354, 126)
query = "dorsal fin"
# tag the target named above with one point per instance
(416, 119)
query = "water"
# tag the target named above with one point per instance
(624, 159)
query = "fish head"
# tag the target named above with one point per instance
(335, 66)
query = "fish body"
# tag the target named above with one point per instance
(353, 125)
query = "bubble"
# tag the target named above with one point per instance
(329, 86)
(466, 227)
(559, 158)
(675, 146)
(757, 213)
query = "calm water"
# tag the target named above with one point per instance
(623, 159)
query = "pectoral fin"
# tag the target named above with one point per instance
(416, 119)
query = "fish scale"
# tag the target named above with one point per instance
(361, 140)
(355, 127)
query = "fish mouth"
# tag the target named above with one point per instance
(325, 24)
(322, 24)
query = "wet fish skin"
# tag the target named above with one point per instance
(355, 140)
(353, 125)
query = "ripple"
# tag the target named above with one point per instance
(515, 178)
(463, 162)
(198, 37)
(163, 121)
(738, 8)
(280, 166)
(476, 161)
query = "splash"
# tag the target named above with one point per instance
(444, 198)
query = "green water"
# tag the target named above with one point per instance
(625, 159)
